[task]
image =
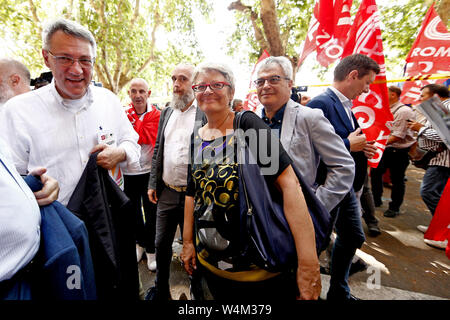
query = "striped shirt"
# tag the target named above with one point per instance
(429, 139)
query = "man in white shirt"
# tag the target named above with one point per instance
(14, 79)
(395, 156)
(144, 117)
(168, 178)
(20, 221)
(58, 126)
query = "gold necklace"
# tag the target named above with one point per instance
(213, 137)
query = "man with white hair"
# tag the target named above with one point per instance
(168, 178)
(306, 134)
(14, 79)
(60, 125)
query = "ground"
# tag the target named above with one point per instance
(409, 269)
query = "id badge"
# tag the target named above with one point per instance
(106, 137)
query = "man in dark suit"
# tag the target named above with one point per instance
(168, 178)
(352, 77)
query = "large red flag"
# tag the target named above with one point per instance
(327, 31)
(251, 101)
(429, 54)
(372, 108)
(439, 228)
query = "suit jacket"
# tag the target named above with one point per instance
(106, 211)
(155, 180)
(64, 254)
(308, 137)
(334, 111)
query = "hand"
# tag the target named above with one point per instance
(188, 259)
(49, 191)
(109, 156)
(304, 100)
(370, 150)
(357, 140)
(152, 196)
(414, 125)
(308, 281)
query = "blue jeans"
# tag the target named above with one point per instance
(433, 185)
(350, 236)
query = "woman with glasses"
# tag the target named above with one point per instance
(211, 220)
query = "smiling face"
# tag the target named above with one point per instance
(216, 100)
(71, 82)
(274, 96)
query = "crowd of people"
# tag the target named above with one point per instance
(134, 174)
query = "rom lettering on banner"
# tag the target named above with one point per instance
(429, 54)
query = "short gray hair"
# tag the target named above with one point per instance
(213, 66)
(69, 27)
(10, 66)
(282, 61)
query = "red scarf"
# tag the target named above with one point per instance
(147, 129)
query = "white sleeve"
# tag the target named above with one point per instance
(13, 133)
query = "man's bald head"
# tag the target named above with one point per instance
(14, 79)
(139, 81)
(139, 93)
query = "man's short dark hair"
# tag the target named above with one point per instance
(440, 90)
(395, 90)
(360, 62)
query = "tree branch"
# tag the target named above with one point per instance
(35, 16)
(136, 13)
(259, 36)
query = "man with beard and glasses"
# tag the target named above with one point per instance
(14, 79)
(168, 178)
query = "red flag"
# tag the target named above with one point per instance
(429, 54)
(439, 228)
(327, 31)
(372, 108)
(251, 101)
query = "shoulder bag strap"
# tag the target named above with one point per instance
(241, 158)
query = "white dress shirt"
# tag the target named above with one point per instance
(145, 159)
(177, 140)
(347, 103)
(44, 130)
(20, 219)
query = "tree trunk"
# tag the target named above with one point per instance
(443, 10)
(269, 20)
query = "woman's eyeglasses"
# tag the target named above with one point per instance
(213, 86)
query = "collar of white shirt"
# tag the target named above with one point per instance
(85, 101)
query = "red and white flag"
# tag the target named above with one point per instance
(439, 228)
(372, 108)
(327, 31)
(429, 54)
(251, 101)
